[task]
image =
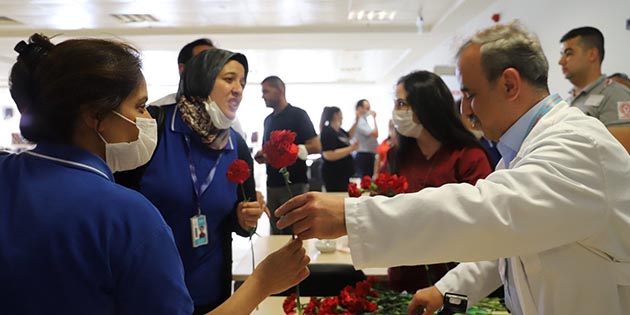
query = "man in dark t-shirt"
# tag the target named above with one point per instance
(286, 116)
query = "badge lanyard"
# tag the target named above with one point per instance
(545, 107)
(193, 175)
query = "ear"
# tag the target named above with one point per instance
(511, 80)
(593, 55)
(181, 68)
(91, 120)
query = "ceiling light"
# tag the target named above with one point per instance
(351, 15)
(134, 18)
(370, 15)
(360, 15)
(392, 15)
(381, 15)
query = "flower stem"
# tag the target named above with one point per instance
(287, 181)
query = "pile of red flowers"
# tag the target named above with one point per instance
(385, 184)
(351, 301)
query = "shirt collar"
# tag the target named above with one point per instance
(587, 89)
(512, 140)
(77, 157)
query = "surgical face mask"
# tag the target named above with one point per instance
(217, 116)
(478, 133)
(124, 156)
(403, 120)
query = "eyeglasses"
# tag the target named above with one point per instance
(400, 104)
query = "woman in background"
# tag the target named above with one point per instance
(186, 178)
(434, 148)
(338, 165)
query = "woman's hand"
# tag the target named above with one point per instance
(282, 269)
(248, 214)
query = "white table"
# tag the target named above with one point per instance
(265, 245)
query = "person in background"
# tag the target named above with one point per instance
(581, 57)
(434, 148)
(620, 78)
(337, 150)
(188, 51)
(186, 178)
(551, 223)
(491, 147)
(383, 150)
(367, 136)
(286, 117)
(95, 247)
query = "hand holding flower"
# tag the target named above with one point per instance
(293, 259)
(248, 214)
(314, 215)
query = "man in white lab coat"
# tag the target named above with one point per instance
(552, 223)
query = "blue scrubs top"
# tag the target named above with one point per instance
(74, 242)
(168, 184)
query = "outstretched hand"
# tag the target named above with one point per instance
(283, 268)
(427, 301)
(314, 215)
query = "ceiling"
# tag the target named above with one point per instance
(302, 41)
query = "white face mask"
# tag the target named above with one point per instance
(124, 156)
(478, 133)
(217, 116)
(403, 120)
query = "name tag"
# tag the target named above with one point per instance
(199, 230)
(594, 100)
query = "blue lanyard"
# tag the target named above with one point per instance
(193, 175)
(545, 107)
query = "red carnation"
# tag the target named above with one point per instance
(238, 172)
(353, 190)
(366, 182)
(280, 149)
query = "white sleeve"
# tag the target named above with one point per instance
(511, 212)
(475, 280)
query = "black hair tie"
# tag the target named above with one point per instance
(30, 53)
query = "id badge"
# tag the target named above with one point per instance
(199, 230)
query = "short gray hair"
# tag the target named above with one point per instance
(511, 46)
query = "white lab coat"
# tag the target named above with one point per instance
(561, 212)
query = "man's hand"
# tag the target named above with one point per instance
(427, 301)
(314, 215)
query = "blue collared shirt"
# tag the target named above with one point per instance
(168, 184)
(511, 141)
(509, 145)
(74, 242)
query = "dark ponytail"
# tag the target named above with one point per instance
(52, 85)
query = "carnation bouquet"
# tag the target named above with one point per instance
(366, 298)
(385, 185)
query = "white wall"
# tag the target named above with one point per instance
(550, 19)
